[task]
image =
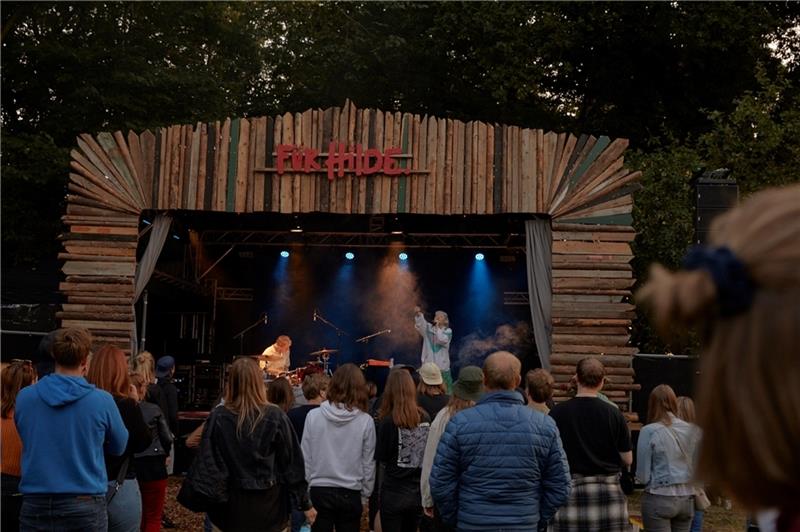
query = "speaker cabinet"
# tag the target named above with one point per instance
(712, 198)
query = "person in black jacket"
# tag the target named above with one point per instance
(261, 455)
(151, 464)
(402, 434)
(109, 371)
(166, 392)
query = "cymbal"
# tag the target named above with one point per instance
(324, 351)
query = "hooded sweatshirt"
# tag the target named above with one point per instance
(65, 424)
(338, 447)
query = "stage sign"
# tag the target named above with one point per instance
(340, 159)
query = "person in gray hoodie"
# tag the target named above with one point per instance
(338, 446)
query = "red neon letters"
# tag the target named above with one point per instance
(339, 160)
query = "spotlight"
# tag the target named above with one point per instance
(349, 255)
(479, 256)
(296, 230)
(284, 254)
(403, 256)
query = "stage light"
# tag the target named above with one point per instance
(403, 256)
(479, 256)
(296, 230)
(349, 255)
(284, 254)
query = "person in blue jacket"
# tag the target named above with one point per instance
(65, 425)
(500, 465)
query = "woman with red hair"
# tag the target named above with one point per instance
(109, 371)
(16, 375)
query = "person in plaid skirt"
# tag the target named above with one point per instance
(598, 444)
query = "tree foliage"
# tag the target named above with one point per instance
(691, 84)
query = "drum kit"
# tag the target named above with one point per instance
(320, 365)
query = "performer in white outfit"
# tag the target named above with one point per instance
(275, 359)
(436, 339)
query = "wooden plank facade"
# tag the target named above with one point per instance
(449, 167)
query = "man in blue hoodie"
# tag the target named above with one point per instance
(65, 424)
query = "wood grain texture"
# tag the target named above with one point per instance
(454, 168)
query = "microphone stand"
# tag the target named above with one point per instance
(373, 335)
(365, 339)
(339, 332)
(240, 334)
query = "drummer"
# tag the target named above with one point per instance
(275, 358)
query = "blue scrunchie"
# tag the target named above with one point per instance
(735, 288)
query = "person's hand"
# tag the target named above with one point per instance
(132, 393)
(311, 515)
(428, 512)
(417, 310)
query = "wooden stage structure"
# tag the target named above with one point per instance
(441, 166)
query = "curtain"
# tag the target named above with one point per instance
(147, 264)
(538, 258)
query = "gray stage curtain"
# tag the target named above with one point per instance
(538, 255)
(145, 267)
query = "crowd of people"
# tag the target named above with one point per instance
(87, 447)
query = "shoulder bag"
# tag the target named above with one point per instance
(113, 489)
(701, 501)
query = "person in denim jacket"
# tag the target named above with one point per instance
(665, 463)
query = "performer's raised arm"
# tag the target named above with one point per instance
(420, 324)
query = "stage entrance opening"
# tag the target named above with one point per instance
(227, 285)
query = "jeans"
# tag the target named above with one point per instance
(336, 507)
(63, 513)
(401, 508)
(125, 509)
(663, 513)
(697, 521)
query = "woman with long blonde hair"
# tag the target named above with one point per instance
(260, 449)
(151, 464)
(109, 371)
(402, 434)
(742, 293)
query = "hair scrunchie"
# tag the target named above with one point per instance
(735, 288)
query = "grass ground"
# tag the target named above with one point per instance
(717, 518)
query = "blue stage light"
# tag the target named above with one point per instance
(349, 255)
(403, 256)
(285, 254)
(479, 256)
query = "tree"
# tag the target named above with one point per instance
(759, 140)
(89, 67)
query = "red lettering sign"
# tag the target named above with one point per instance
(339, 160)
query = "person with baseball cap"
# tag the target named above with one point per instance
(431, 390)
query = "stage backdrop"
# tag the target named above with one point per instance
(348, 160)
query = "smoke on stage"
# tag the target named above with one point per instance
(392, 306)
(475, 347)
